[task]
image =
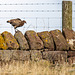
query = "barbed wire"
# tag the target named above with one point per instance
(32, 10)
(36, 18)
(32, 3)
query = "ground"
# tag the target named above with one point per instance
(36, 68)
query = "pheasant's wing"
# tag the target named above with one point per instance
(15, 22)
(9, 21)
(18, 19)
(19, 25)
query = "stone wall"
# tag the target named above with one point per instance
(54, 46)
(37, 55)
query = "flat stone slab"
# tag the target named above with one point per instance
(71, 60)
(24, 55)
(36, 55)
(20, 55)
(71, 53)
(5, 55)
(55, 56)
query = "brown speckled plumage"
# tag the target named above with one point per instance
(16, 22)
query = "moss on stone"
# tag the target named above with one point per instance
(10, 40)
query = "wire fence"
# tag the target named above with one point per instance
(39, 16)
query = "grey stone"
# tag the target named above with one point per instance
(21, 40)
(70, 38)
(36, 55)
(10, 40)
(59, 40)
(15, 55)
(71, 53)
(55, 56)
(47, 39)
(34, 41)
(6, 55)
(71, 60)
(21, 55)
(24, 55)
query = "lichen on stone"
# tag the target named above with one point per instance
(2, 43)
(10, 40)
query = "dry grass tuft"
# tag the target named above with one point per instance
(35, 68)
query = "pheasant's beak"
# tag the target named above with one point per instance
(8, 21)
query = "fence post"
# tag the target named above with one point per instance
(67, 14)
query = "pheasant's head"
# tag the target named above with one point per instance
(24, 21)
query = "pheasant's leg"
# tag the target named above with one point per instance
(16, 26)
(15, 29)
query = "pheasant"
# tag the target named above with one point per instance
(16, 22)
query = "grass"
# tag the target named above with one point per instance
(35, 68)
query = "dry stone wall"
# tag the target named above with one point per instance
(52, 46)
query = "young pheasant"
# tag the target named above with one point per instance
(16, 22)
